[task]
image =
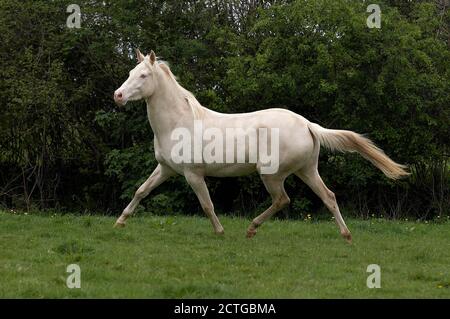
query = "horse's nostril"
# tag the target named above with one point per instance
(119, 95)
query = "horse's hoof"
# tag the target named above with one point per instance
(347, 237)
(119, 224)
(219, 231)
(251, 233)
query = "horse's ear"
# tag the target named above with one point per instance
(139, 56)
(152, 57)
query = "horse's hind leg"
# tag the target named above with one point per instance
(275, 187)
(312, 178)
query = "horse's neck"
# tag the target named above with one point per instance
(167, 109)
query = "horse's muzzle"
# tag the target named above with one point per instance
(118, 98)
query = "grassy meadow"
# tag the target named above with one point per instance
(180, 257)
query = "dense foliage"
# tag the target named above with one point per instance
(64, 144)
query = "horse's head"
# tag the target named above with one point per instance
(141, 81)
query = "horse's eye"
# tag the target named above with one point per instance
(143, 76)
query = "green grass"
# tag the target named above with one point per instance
(180, 257)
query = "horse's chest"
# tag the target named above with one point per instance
(162, 154)
(159, 153)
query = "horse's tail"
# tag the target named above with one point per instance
(348, 141)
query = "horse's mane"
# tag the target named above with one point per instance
(196, 107)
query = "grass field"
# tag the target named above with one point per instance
(180, 257)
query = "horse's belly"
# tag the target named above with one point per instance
(234, 169)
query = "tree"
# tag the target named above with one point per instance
(64, 144)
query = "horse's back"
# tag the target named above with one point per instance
(269, 118)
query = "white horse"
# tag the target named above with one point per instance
(170, 106)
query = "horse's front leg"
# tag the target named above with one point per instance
(198, 185)
(159, 175)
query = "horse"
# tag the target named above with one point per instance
(170, 106)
